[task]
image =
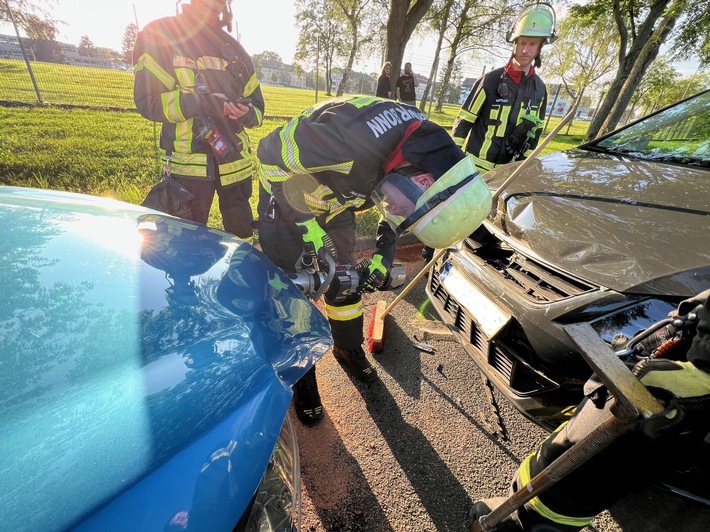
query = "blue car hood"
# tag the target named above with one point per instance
(145, 366)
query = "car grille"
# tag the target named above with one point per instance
(522, 378)
(526, 277)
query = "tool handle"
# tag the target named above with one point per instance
(589, 446)
(411, 284)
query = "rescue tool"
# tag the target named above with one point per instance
(633, 403)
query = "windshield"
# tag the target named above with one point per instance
(678, 134)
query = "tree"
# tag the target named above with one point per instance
(585, 55)
(403, 19)
(86, 47)
(439, 22)
(642, 28)
(128, 42)
(355, 13)
(320, 38)
(474, 26)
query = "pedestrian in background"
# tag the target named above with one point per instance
(193, 78)
(384, 85)
(406, 86)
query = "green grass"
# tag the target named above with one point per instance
(113, 153)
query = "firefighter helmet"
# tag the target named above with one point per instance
(224, 7)
(445, 213)
(537, 20)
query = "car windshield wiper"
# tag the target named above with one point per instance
(679, 159)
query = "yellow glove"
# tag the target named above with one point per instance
(684, 390)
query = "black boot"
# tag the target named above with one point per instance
(356, 362)
(306, 399)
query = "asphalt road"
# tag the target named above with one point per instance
(412, 450)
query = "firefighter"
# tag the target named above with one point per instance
(500, 119)
(199, 83)
(661, 445)
(322, 167)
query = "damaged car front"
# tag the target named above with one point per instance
(614, 233)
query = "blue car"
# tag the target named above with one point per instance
(145, 371)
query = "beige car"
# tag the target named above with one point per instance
(615, 233)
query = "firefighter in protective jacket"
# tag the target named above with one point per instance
(325, 165)
(501, 118)
(192, 77)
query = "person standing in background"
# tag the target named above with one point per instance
(199, 83)
(501, 119)
(406, 86)
(384, 85)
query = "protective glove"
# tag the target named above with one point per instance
(373, 273)
(315, 239)
(519, 139)
(683, 389)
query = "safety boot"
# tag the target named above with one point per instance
(356, 362)
(306, 399)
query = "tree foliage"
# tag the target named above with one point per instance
(128, 42)
(642, 26)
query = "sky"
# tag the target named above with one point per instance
(104, 21)
(260, 25)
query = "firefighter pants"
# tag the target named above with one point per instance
(282, 242)
(233, 203)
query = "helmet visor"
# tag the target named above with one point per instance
(396, 198)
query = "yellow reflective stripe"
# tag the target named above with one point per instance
(481, 164)
(363, 101)
(183, 136)
(477, 104)
(504, 114)
(259, 115)
(211, 63)
(335, 212)
(180, 61)
(189, 164)
(459, 141)
(344, 313)
(264, 181)
(465, 115)
(315, 204)
(251, 85)
(540, 508)
(236, 171)
(271, 172)
(341, 168)
(150, 64)
(171, 106)
(289, 148)
(185, 77)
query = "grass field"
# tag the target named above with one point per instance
(114, 153)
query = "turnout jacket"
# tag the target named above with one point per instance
(169, 53)
(330, 158)
(492, 110)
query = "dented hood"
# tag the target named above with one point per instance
(628, 225)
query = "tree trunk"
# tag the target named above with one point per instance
(647, 55)
(626, 62)
(400, 26)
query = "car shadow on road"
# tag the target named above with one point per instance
(329, 474)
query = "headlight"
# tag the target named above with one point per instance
(277, 504)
